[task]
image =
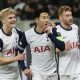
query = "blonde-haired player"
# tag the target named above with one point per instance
(9, 38)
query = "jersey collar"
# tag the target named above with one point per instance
(66, 29)
(38, 32)
(6, 33)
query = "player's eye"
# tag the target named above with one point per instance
(10, 17)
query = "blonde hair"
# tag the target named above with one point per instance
(6, 12)
(63, 8)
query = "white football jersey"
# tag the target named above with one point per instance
(69, 60)
(9, 44)
(42, 51)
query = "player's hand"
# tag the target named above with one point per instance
(52, 24)
(48, 27)
(78, 45)
(68, 46)
(20, 57)
(28, 72)
(57, 50)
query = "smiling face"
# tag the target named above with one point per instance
(9, 20)
(8, 17)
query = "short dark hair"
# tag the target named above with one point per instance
(42, 10)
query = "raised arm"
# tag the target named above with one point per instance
(52, 34)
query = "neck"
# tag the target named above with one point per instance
(65, 26)
(7, 30)
(39, 29)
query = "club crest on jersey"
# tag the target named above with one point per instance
(42, 49)
(20, 43)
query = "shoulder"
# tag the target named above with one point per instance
(1, 33)
(74, 27)
(29, 34)
(0, 30)
(30, 31)
(57, 26)
(17, 31)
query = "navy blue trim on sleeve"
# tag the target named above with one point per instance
(1, 45)
(21, 46)
(22, 43)
(58, 44)
(22, 65)
(54, 32)
(20, 33)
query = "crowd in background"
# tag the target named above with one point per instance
(26, 9)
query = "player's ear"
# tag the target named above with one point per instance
(36, 20)
(60, 17)
(3, 21)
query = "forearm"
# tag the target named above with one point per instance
(4, 61)
(57, 50)
(58, 44)
(22, 63)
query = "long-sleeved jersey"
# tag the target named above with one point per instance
(42, 51)
(8, 44)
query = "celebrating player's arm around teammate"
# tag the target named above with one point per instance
(52, 33)
(9, 38)
(43, 66)
(69, 61)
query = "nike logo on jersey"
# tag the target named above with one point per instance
(20, 43)
(31, 41)
(6, 44)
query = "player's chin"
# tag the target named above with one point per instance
(70, 23)
(13, 26)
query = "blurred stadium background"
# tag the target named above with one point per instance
(26, 9)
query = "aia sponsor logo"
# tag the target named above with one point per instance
(42, 49)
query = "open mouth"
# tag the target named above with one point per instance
(12, 22)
